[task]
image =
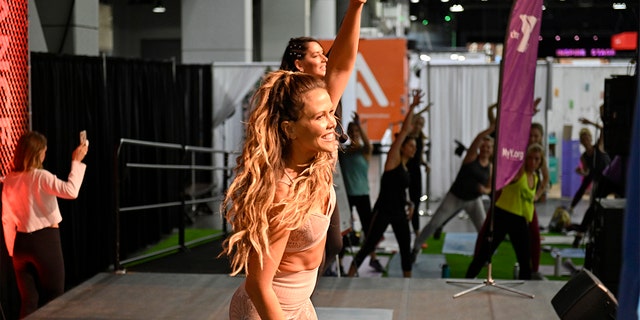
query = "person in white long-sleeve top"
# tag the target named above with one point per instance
(30, 218)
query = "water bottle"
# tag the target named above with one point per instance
(446, 272)
(516, 271)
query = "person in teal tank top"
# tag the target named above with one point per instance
(354, 162)
(512, 214)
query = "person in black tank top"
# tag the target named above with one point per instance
(473, 180)
(392, 200)
(593, 160)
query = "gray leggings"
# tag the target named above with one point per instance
(449, 206)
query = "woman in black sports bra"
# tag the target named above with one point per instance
(392, 200)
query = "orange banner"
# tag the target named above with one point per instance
(381, 88)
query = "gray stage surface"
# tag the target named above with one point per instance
(206, 296)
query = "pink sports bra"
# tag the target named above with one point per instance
(312, 231)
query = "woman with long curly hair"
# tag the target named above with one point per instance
(281, 200)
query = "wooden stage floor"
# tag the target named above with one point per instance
(206, 296)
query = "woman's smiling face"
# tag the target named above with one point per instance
(314, 131)
(314, 61)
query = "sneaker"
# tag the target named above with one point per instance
(375, 264)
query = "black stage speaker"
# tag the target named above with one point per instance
(619, 99)
(606, 248)
(584, 297)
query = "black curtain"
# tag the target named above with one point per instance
(67, 96)
(143, 96)
(194, 83)
(114, 98)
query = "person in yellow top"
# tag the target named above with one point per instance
(511, 216)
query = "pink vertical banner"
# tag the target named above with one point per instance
(516, 88)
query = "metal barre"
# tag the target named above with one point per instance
(192, 167)
(152, 206)
(173, 146)
(151, 143)
(208, 150)
(174, 166)
(168, 204)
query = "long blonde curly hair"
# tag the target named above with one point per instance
(250, 199)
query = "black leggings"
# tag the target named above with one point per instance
(586, 181)
(333, 246)
(39, 268)
(363, 206)
(518, 230)
(401, 230)
(601, 189)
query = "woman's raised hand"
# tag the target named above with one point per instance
(80, 152)
(417, 95)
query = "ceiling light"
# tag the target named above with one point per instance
(619, 6)
(415, 1)
(444, 0)
(456, 8)
(159, 7)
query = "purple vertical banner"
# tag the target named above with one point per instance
(516, 88)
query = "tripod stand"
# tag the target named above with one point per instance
(489, 282)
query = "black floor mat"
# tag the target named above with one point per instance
(199, 259)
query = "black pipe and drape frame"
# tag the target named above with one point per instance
(113, 98)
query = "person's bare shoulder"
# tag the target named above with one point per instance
(283, 187)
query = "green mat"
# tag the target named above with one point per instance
(502, 262)
(170, 244)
